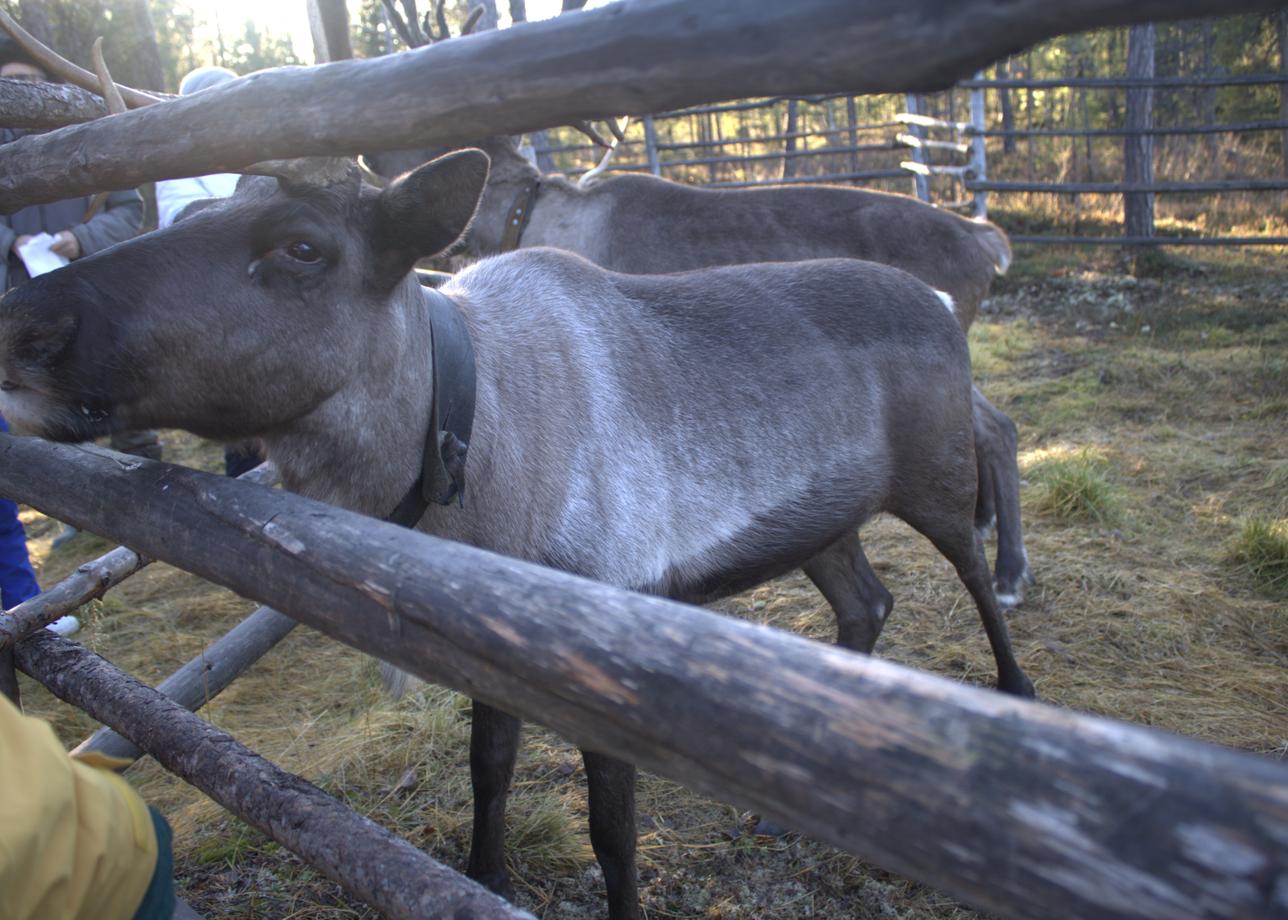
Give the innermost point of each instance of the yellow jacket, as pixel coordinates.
(75, 840)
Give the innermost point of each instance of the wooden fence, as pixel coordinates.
(784, 157)
(1012, 806)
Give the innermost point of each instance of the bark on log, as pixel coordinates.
(368, 861)
(639, 56)
(89, 582)
(46, 105)
(92, 579)
(1016, 807)
(206, 676)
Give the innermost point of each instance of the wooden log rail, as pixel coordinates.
(24, 104)
(368, 861)
(91, 580)
(1018, 808)
(641, 56)
(205, 676)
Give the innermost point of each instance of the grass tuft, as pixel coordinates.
(1260, 551)
(1076, 487)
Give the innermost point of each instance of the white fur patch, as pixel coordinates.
(948, 301)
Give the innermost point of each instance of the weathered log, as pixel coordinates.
(24, 104)
(92, 579)
(207, 675)
(368, 861)
(640, 57)
(1016, 807)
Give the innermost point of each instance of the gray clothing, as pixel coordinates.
(118, 220)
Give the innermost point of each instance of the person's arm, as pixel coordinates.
(173, 195)
(76, 842)
(119, 219)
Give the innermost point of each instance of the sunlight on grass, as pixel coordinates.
(1260, 552)
(1073, 485)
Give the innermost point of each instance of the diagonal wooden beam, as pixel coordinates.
(639, 56)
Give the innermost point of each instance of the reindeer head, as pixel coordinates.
(239, 319)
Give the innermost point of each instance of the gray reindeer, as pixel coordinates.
(645, 225)
(687, 435)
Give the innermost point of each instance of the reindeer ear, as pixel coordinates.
(427, 210)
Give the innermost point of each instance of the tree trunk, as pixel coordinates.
(570, 6)
(329, 26)
(518, 11)
(34, 16)
(1281, 21)
(145, 56)
(1138, 149)
(1209, 92)
(789, 144)
(1003, 72)
(852, 120)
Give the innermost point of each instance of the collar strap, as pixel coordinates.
(451, 414)
(520, 213)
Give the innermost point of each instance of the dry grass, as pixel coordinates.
(1173, 387)
(1260, 551)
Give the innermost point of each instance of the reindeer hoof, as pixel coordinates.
(1017, 685)
(767, 828)
(1009, 590)
(496, 882)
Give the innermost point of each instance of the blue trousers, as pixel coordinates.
(17, 580)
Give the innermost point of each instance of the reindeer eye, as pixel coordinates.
(303, 252)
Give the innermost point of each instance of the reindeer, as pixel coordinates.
(646, 225)
(687, 435)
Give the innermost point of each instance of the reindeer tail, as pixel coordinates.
(993, 240)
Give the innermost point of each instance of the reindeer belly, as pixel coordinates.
(774, 542)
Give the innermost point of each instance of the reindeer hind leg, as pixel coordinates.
(862, 604)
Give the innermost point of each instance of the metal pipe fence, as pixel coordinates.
(947, 159)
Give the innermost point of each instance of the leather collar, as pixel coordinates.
(451, 414)
(520, 213)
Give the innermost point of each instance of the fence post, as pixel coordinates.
(1281, 23)
(1138, 149)
(650, 146)
(789, 142)
(920, 182)
(978, 154)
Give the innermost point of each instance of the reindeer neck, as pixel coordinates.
(512, 179)
(363, 447)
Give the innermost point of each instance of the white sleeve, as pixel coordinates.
(173, 195)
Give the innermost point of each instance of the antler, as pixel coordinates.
(115, 106)
(619, 134)
(444, 32)
(58, 66)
